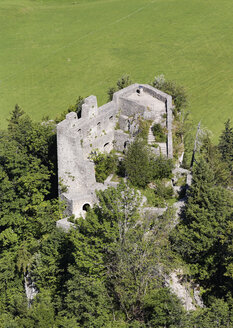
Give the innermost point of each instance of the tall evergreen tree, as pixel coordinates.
(226, 144)
(137, 164)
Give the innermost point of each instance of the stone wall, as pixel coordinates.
(129, 108)
(124, 92)
(121, 140)
(169, 127)
(160, 95)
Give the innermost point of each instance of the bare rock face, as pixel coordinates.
(184, 290)
(30, 289)
(197, 297)
(65, 225)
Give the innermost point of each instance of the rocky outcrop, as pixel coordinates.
(187, 292)
(30, 288)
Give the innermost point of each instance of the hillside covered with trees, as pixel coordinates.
(112, 269)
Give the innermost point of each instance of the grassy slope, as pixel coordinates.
(52, 51)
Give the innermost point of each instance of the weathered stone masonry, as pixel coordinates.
(111, 126)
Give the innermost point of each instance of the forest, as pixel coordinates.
(110, 269)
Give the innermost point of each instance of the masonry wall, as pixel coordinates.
(167, 99)
(160, 95)
(129, 107)
(98, 131)
(169, 127)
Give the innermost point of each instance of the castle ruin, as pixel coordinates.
(111, 126)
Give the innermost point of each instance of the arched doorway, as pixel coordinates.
(86, 207)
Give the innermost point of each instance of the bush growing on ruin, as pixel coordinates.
(159, 133)
(142, 166)
(161, 168)
(105, 164)
(144, 126)
(163, 191)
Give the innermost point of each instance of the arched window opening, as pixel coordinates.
(98, 125)
(86, 207)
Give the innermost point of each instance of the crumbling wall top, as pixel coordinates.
(90, 107)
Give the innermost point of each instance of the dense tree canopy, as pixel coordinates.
(28, 210)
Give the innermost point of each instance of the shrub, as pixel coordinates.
(142, 166)
(150, 196)
(71, 219)
(177, 92)
(121, 169)
(159, 133)
(159, 202)
(163, 191)
(105, 164)
(162, 309)
(144, 127)
(161, 168)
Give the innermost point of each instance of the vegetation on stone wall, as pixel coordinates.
(163, 193)
(143, 131)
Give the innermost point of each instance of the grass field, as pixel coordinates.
(52, 51)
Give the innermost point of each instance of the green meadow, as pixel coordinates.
(52, 51)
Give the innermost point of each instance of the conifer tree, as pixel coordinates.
(137, 164)
(226, 144)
